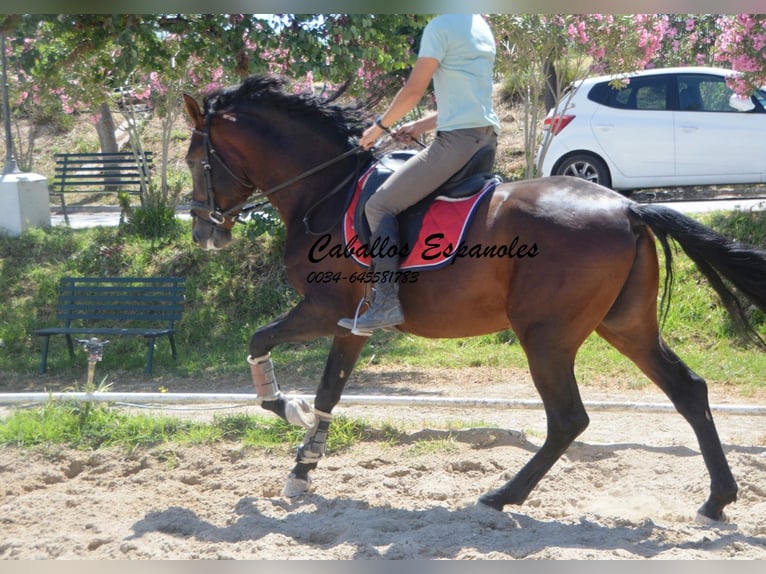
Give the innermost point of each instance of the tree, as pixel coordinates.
(92, 62)
(742, 44)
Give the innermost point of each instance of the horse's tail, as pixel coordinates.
(717, 257)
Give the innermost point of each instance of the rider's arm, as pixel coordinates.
(405, 100)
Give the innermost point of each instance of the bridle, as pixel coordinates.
(209, 210)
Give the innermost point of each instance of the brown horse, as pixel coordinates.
(595, 268)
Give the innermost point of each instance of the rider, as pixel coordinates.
(457, 51)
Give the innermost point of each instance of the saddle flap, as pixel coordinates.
(430, 230)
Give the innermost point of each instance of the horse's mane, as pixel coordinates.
(263, 90)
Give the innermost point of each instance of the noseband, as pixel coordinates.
(209, 210)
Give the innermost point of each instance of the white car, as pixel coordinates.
(664, 127)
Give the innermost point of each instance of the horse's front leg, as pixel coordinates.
(304, 322)
(343, 356)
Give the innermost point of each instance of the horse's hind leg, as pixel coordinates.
(553, 374)
(631, 326)
(688, 392)
(340, 362)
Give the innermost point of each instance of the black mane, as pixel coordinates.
(264, 90)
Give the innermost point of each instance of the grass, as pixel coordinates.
(435, 446)
(89, 426)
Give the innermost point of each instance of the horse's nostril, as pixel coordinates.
(201, 233)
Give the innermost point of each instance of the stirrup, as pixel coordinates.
(354, 330)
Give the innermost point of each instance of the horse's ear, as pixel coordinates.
(192, 108)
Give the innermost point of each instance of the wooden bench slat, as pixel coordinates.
(137, 304)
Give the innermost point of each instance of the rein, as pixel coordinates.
(209, 210)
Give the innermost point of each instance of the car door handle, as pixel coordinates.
(688, 128)
(604, 126)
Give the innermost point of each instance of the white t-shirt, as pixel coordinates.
(465, 48)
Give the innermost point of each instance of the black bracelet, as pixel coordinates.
(381, 126)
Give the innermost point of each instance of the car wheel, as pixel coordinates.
(585, 166)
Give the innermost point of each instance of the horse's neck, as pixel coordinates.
(318, 198)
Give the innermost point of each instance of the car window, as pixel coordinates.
(638, 94)
(704, 94)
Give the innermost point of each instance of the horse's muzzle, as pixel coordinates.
(209, 236)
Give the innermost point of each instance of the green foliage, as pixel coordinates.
(86, 426)
(265, 221)
(746, 226)
(157, 221)
(89, 426)
(229, 294)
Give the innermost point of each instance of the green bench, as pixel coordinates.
(100, 173)
(109, 306)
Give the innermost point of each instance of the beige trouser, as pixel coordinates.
(426, 171)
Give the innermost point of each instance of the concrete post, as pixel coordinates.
(24, 197)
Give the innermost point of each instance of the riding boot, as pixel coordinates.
(385, 309)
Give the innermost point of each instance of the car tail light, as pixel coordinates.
(557, 123)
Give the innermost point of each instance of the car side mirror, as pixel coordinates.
(741, 103)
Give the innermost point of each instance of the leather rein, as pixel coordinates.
(209, 210)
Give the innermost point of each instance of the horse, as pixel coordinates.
(596, 269)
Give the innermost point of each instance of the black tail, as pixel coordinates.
(717, 257)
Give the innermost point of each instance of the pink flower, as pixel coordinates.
(143, 94)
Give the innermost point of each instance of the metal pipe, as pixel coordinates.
(368, 400)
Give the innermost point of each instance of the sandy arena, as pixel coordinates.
(627, 489)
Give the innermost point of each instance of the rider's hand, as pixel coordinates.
(407, 132)
(370, 136)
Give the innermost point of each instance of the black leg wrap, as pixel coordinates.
(309, 453)
(315, 441)
(301, 470)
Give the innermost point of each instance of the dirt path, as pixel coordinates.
(628, 488)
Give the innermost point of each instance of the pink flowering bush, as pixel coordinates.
(741, 43)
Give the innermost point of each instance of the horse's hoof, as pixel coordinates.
(707, 521)
(491, 501)
(296, 486)
(300, 413)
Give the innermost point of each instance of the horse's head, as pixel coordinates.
(290, 147)
(220, 188)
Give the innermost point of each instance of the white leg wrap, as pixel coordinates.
(262, 370)
(315, 441)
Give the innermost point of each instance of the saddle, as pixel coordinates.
(468, 180)
(445, 212)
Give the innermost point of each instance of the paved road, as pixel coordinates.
(93, 218)
(111, 217)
